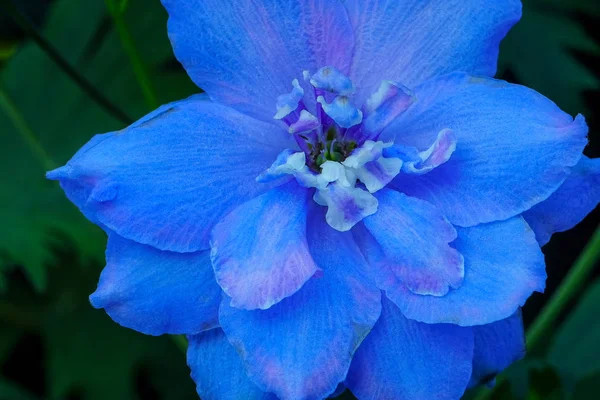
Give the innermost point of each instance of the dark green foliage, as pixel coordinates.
(53, 345)
(540, 50)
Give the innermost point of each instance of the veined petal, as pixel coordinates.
(503, 267)
(245, 54)
(167, 180)
(407, 245)
(259, 252)
(497, 346)
(157, 292)
(301, 348)
(565, 208)
(515, 147)
(405, 359)
(412, 41)
(218, 370)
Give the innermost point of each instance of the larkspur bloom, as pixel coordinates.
(344, 209)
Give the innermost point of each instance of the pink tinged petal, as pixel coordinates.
(439, 153)
(245, 53)
(412, 41)
(377, 174)
(259, 251)
(407, 244)
(385, 105)
(369, 165)
(301, 348)
(515, 147)
(503, 267)
(346, 206)
(405, 359)
(306, 123)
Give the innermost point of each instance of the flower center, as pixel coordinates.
(340, 153)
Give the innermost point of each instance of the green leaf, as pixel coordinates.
(587, 388)
(539, 51)
(62, 118)
(85, 351)
(575, 350)
(12, 391)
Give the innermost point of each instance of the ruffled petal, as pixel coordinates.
(346, 205)
(406, 243)
(497, 346)
(503, 267)
(514, 147)
(245, 54)
(157, 292)
(414, 40)
(259, 252)
(218, 370)
(301, 348)
(405, 359)
(167, 180)
(576, 198)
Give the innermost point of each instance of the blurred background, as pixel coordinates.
(73, 68)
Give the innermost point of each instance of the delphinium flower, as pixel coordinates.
(356, 203)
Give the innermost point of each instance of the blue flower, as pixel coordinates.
(343, 209)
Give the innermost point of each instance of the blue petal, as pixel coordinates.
(346, 206)
(332, 80)
(301, 348)
(497, 346)
(576, 198)
(259, 252)
(157, 292)
(405, 359)
(342, 111)
(514, 147)
(245, 54)
(218, 370)
(411, 248)
(414, 40)
(503, 267)
(166, 181)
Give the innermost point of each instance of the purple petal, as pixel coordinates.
(407, 245)
(503, 267)
(259, 251)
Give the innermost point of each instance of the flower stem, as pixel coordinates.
(13, 113)
(55, 56)
(568, 289)
(117, 10)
